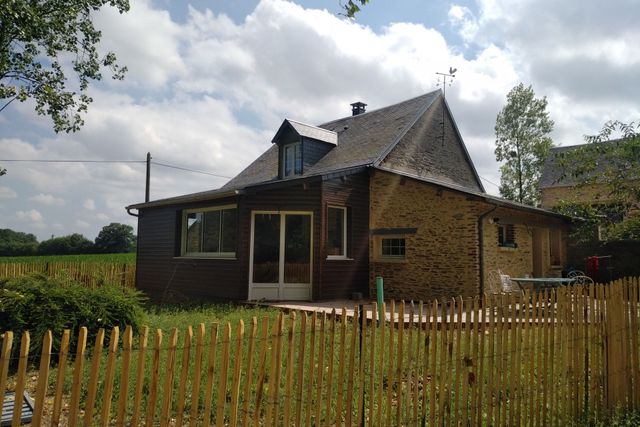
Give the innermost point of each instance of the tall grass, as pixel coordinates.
(128, 258)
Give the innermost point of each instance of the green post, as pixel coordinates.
(380, 295)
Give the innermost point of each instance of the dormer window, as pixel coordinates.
(292, 159)
(301, 146)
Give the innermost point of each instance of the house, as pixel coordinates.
(390, 192)
(616, 259)
(556, 184)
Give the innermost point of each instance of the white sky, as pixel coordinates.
(209, 84)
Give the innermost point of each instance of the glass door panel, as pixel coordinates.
(266, 248)
(297, 249)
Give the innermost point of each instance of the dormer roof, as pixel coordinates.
(307, 131)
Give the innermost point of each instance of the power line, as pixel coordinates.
(490, 182)
(189, 170)
(71, 161)
(113, 161)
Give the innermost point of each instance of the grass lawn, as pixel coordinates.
(182, 316)
(129, 258)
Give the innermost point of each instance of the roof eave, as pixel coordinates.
(481, 196)
(189, 198)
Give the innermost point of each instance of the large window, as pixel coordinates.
(292, 159)
(209, 232)
(336, 232)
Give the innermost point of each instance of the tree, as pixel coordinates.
(116, 238)
(66, 245)
(522, 143)
(16, 243)
(613, 167)
(352, 7)
(39, 42)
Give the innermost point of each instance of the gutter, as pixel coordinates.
(128, 208)
(481, 246)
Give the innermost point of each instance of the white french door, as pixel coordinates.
(281, 256)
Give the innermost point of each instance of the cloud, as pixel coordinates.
(208, 93)
(82, 224)
(89, 204)
(31, 215)
(47, 200)
(464, 20)
(7, 193)
(146, 40)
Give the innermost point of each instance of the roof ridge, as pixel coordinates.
(378, 109)
(573, 146)
(307, 124)
(389, 148)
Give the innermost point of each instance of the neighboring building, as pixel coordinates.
(391, 192)
(557, 185)
(616, 258)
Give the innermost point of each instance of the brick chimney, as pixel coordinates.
(358, 108)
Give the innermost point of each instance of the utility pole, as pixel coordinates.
(442, 81)
(146, 189)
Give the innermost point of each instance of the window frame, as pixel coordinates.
(379, 256)
(505, 242)
(344, 210)
(183, 233)
(294, 147)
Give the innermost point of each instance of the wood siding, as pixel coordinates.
(340, 278)
(303, 197)
(167, 277)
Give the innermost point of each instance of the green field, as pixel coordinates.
(129, 258)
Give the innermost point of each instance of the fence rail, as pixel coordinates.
(90, 273)
(552, 358)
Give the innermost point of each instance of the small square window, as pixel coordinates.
(394, 247)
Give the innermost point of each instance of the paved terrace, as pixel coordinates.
(337, 305)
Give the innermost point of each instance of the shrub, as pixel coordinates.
(37, 303)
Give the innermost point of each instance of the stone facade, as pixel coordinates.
(441, 258)
(440, 228)
(551, 196)
(533, 237)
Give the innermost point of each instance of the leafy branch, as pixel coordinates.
(40, 43)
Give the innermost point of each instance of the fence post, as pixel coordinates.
(123, 276)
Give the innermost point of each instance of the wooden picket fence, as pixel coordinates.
(558, 357)
(90, 273)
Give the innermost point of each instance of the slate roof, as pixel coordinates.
(309, 131)
(361, 140)
(553, 170)
(368, 140)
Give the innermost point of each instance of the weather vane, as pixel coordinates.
(442, 81)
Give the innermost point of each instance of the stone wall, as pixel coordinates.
(441, 255)
(518, 261)
(551, 196)
(441, 231)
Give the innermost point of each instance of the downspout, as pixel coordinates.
(137, 242)
(481, 246)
